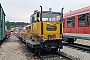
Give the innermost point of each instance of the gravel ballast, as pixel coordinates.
(84, 42)
(72, 52)
(11, 49)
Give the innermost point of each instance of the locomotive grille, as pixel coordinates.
(51, 28)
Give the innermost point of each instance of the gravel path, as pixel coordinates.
(84, 42)
(12, 50)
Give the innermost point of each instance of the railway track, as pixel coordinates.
(16, 35)
(45, 55)
(78, 47)
(50, 55)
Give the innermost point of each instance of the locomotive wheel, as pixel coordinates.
(71, 40)
(55, 50)
(37, 51)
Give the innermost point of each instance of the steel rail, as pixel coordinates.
(78, 46)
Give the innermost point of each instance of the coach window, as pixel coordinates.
(89, 18)
(83, 20)
(70, 22)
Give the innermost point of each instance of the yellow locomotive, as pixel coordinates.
(45, 31)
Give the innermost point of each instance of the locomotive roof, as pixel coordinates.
(78, 12)
(49, 14)
(46, 14)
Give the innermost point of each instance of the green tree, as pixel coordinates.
(8, 24)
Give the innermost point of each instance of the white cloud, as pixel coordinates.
(20, 10)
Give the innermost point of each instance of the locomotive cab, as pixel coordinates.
(46, 30)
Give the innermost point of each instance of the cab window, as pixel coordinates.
(33, 19)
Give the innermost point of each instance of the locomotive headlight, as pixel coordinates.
(48, 23)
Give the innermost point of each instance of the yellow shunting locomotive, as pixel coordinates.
(45, 31)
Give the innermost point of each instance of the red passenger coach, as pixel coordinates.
(77, 25)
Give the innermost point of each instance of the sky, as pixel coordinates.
(20, 10)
